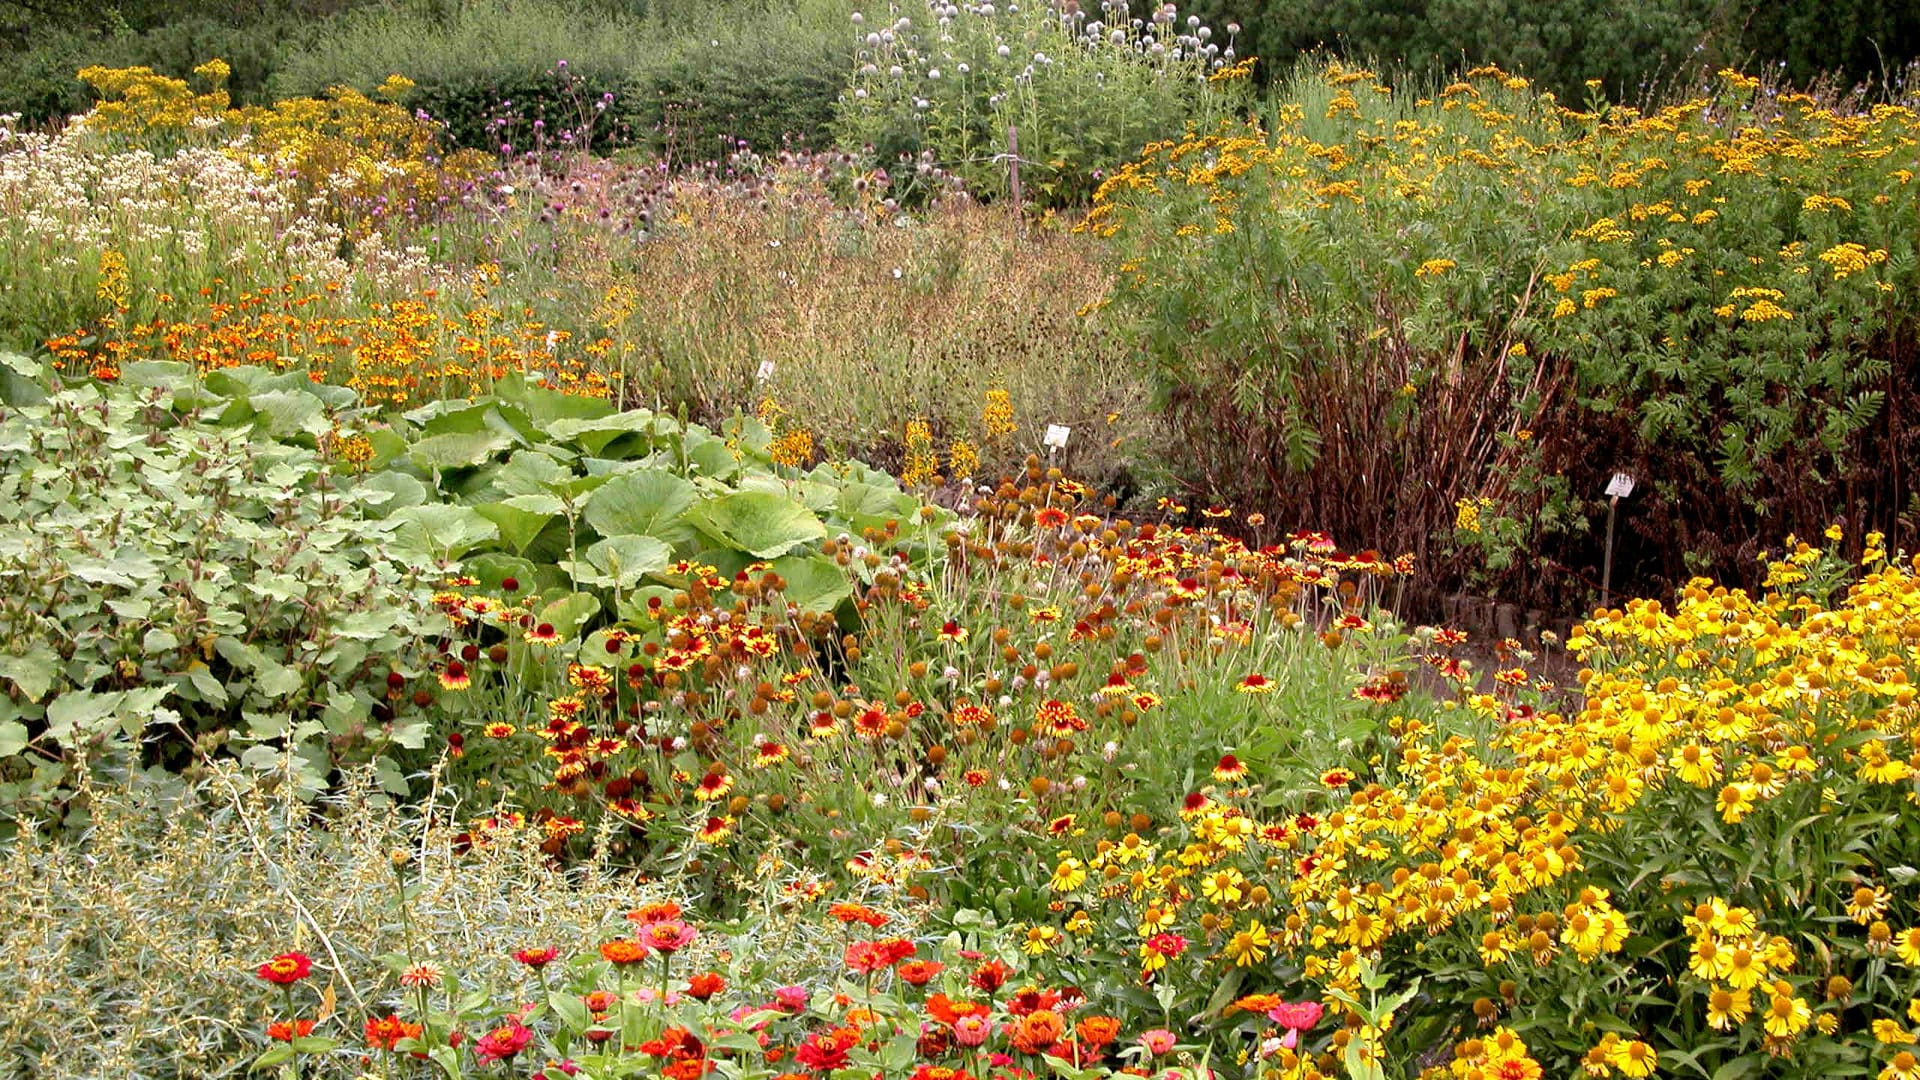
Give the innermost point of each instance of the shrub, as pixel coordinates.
(215, 586)
(1340, 315)
(948, 82)
(1639, 50)
(689, 85)
(141, 939)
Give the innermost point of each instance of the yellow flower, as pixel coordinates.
(1633, 1058)
(1249, 946)
(1068, 876)
(1890, 1032)
(1786, 1016)
(1727, 1009)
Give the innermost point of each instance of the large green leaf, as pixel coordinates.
(458, 449)
(33, 674)
(757, 522)
(644, 502)
(621, 561)
(532, 472)
(594, 434)
(440, 530)
(521, 518)
(290, 412)
(543, 406)
(814, 583)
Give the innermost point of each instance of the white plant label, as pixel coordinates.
(766, 370)
(1057, 436)
(1620, 486)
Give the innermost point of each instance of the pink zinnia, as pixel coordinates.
(971, 1031)
(668, 935)
(1158, 1041)
(1296, 1017)
(791, 998)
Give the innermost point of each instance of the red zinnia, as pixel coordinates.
(537, 958)
(866, 957)
(920, 972)
(287, 968)
(990, 976)
(502, 1042)
(827, 1051)
(705, 985)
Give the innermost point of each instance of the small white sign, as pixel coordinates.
(1620, 486)
(1057, 436)
(766, 371)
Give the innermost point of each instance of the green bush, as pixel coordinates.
(38, 81)
(669, 82)
(1084, 97)
(1638, 49)
(1440, 323)
(180, 574)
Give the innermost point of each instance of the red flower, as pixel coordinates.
(920, 972)
(826, 1051)
(1031, 999)
(1297, 1015)
(537, 958)
(947, 1011)
(1036, 1031)
(990, 976)
(1097, 1031)
(867, 957)
(289, 1030)
(667, 936)
(502, 1042)
(1167, 945)
(287, 968)
(705, 985)
(386, 1034)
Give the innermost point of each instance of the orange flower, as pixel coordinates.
(1097, 1031)
(289, 1030)
(624, 951)
(386, 1034)
(1036, 1031)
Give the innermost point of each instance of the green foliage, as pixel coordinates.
(679, 85)
(1352, 333)
(1082, 96)
(182, 574)
(1639, 48)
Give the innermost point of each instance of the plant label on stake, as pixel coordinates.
(1618, 488)
(765, 372)
(1057, 436)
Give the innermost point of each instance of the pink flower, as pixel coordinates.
(1158, 1041)
(1296, 1017)
(791, 998)
(971, 1031)
(667, 935)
